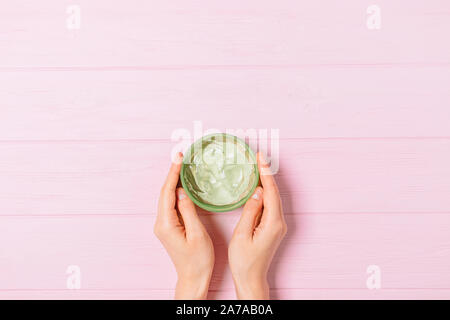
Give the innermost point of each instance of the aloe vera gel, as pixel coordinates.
(219, 171)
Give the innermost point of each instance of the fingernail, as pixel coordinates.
(257, 194)
(262, 158)
(178, 158)
(181, 194)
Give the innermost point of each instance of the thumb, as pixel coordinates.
(188, 211)
(252, 209)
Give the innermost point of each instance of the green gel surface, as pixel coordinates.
(219, 170)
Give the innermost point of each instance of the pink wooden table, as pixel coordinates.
(90, 95)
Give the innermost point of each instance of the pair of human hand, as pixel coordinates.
(254, 242)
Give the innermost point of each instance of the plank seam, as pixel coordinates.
(153, 214)
(170, 141)
(211, 290)
(221, 67)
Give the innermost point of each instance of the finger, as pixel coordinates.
(250, 213)
(188, 212)
(167, 197)
(174, 173)
(272, 202)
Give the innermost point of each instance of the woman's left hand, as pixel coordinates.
(180, 230)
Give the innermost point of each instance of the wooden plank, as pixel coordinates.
(302, 103)
(205, 33)
(124, 178)
(306, 294)
(320, 252)
(69, 294)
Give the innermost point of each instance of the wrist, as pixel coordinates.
(192, 289)
(252, 289)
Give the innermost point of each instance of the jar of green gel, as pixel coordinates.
(219, 172)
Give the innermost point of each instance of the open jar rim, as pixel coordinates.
(252, 160)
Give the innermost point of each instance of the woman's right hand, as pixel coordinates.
(256, 238)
